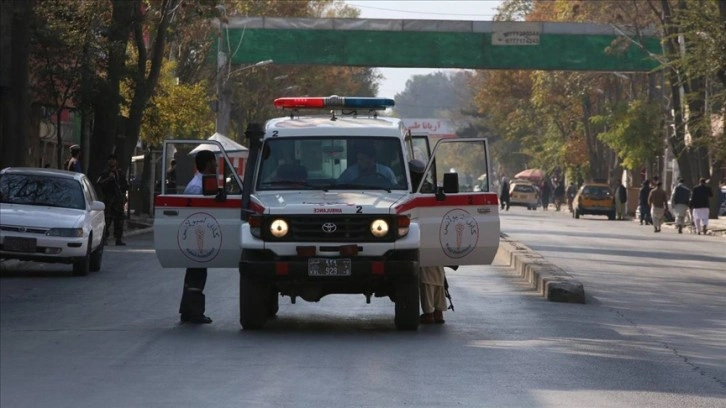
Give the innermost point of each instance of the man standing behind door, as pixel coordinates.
(193, 302)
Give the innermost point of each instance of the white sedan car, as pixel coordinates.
(51, 216)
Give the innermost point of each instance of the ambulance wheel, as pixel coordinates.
(253, 303)
(273, 304)
(407, 304)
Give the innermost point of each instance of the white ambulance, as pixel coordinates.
(328, 208)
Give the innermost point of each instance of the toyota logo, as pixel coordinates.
(329, 227)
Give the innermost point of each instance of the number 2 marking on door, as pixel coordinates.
(359, 209)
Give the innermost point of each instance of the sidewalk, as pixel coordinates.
(138, 224)
(716, 227)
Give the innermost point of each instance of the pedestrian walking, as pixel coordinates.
(571, 193)
(193, 301)
(621, 201)
(658, 202)
(680, 197)
(700, 202)
(559, 194)
(643, 205)
(546, 192)
(504, 193)
(113, 187)
(74, 163)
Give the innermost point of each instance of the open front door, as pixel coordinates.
(197, 231)
(459, 226)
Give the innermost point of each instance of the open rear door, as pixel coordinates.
(459, 226)
(196, 231)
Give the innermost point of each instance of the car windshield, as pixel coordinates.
(41, 190)
(327, 163)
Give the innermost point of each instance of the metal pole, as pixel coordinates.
(152, 190)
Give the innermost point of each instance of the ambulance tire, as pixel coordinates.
(407, 304)
(274, 303)
(253, 303)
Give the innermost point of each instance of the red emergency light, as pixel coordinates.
(341, 102)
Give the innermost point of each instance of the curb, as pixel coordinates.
(549, 280)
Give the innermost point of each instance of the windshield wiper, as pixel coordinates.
(360, 186)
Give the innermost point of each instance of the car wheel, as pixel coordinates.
(82, 266)
(577, 214)
(407, 303)
(96, 258)
(253, 302)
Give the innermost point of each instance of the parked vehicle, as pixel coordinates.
(523, 193)
(49, 215)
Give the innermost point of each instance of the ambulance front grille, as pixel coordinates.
(337, 228)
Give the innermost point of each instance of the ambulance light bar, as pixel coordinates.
(341, 102)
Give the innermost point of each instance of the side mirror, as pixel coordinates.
(209, 184)
(451, 183)
(98, 206)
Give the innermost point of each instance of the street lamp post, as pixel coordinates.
(224, 93)
(225, 73)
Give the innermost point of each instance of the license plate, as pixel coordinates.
(18, 244)
(329, 267)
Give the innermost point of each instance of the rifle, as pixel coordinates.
(446, 288)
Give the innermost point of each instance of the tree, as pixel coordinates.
(436, 95)
(14, 98)
(60, 56)
(106, 82)
(694, 39)
(176, 110)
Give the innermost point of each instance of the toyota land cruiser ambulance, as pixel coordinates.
(328, 207)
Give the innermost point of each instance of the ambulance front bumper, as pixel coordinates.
(264, 264)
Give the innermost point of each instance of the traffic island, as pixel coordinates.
(549, 280)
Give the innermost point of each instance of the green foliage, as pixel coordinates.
(177, 110)
(633, 131)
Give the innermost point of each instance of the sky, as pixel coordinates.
(395, 78)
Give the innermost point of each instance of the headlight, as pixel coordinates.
(65, 232)
(379, 228)
(278, 228)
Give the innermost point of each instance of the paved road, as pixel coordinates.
(667, 286)
(112, 340)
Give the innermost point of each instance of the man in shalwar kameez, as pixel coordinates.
(433, 293)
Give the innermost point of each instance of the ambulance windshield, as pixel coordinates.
(332, 163)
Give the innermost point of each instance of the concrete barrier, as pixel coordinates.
(549, 280)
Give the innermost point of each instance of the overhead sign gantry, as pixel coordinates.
(438, 44)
